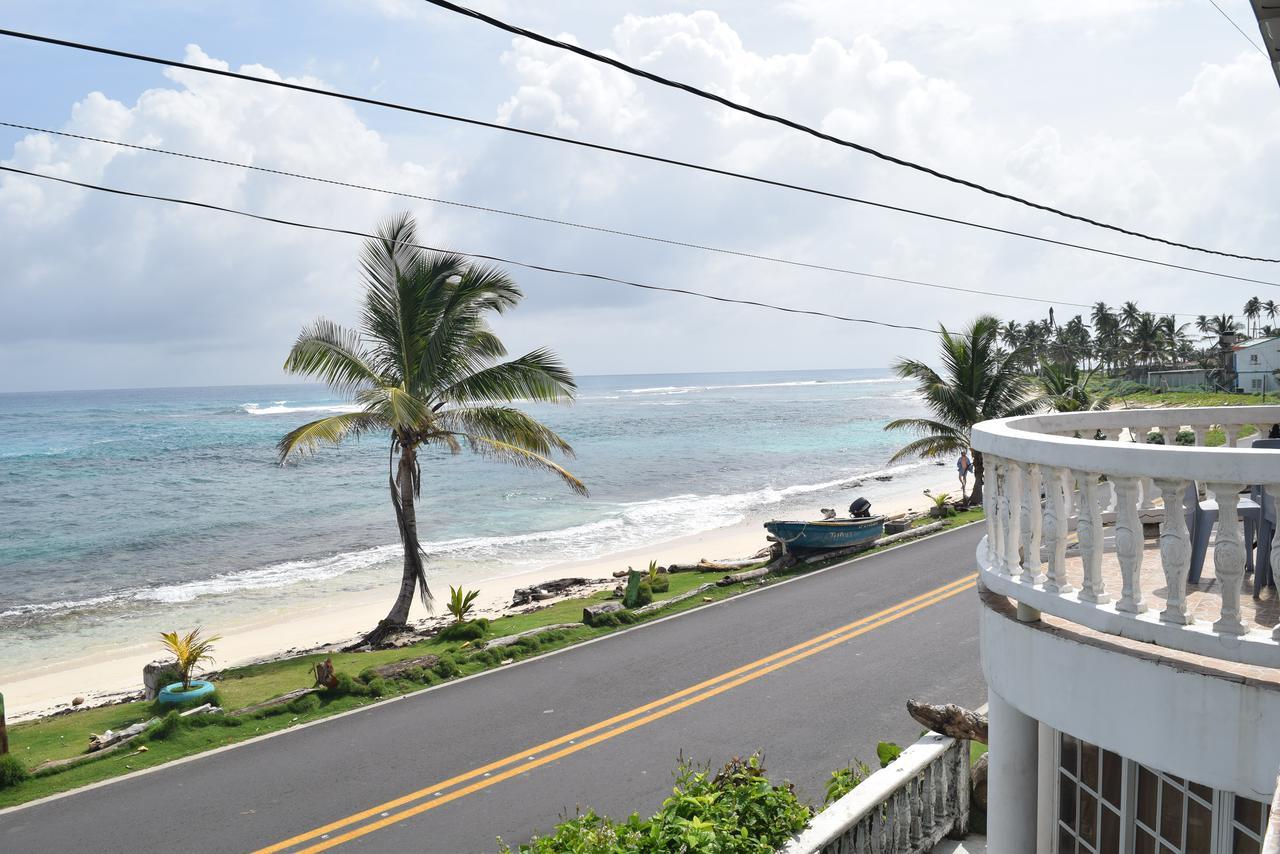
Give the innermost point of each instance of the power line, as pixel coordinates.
(1245, 35)
(814, 132)
(654, 158)
(477, 255)
(544, 219)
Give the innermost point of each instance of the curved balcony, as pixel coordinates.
(1067, 498)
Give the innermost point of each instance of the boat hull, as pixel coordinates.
(827, 534)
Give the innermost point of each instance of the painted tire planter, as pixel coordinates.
(173, 695)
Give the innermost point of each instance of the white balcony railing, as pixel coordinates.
(1049, 475)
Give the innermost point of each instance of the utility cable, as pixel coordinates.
(826, 137)
(477, 255)
(551, 220)
(654, 158)
(1245, 35)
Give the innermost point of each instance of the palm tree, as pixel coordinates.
(426, 371)
(1129, 314)
(1271, 309)
(1066, 390)
(979, 381)
(1222, 331)
(1252, 311)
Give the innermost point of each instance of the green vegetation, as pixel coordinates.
(845, 780)
(979, 381)
(734, 811)
(460, 603)
(659, 582)
(886, 752)
(12, 771)
(62, 737)
(425, 369)
(469, 631)
(189, 651)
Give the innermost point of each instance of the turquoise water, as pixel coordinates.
(118, 507)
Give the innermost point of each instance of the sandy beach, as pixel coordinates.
(104, 673)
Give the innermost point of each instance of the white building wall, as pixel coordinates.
(1256, 365)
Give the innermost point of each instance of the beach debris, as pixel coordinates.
(592, 612)
(206, 709)
(396, 669)
(325, 677)
(507, 640)
(883, 477)
(546, 590)
(950, 720)
(707, 599)
(910, 533)
(618, 591)
(274, 701)
(735, 577)
(622, 573)
(110, 737)
(77, 701)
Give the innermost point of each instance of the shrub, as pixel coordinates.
(468, 631)
(378, 687)
(735, 811)
(644, 594)
(845, 780)
(168, 727)
(304, 704)
(347, 687)
(189, 651)
(446, 667)
(201, 721)
(659, 582)
(12, 771)
(529, 643)
(368, 674)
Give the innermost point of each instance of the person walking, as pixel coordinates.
(963, 466)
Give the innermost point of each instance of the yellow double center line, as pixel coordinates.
(430, 797)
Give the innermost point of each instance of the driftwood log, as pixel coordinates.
(591, 612)
(396, 669)
(662, 603)
(735, 577)
(110, 737)
(910, 533)
(508, 640)
(275, 701)
(950, 720)
(325, 676)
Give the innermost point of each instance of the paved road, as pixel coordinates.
(811, 710)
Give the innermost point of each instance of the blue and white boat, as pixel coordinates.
(827, 534)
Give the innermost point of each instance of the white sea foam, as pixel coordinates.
(790, 383)
(627, 525)
(279, 408)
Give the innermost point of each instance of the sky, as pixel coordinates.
(1153, 114)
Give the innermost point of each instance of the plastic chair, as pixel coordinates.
(1203, 515)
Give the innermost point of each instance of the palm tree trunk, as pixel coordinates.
(402, 497)
(975, 496)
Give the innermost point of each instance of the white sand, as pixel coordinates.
(39, 689)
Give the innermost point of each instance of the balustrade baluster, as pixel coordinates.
(1056, 516)
(879, 817)
(902, 827)
(1228, 557)
(991, 508)
(1170, 436)
(861, 839)
(1089, 535)
(1031, 519)
(1129, 543)
(1201, 431)
(915, 796)
(1175, 551)
(1232, 433)
(1010, 515)
(928, 817)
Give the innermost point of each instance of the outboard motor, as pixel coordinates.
(860, 509)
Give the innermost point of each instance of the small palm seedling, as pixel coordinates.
(190, 650)
(461, 603)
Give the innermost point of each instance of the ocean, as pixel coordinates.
(122, 512)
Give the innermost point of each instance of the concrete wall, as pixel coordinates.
(1214, 728)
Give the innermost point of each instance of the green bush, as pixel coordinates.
(886, 752)
(736, 811)
(468, 631)
(447, 667)
(644, 594)
(12, 771)
(660, 583)
(166, 728)
(201, 721)
(845, 780)
(529, 643)
(379, 687)
(304, 704)
(347, 687)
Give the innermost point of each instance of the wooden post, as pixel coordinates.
(4, 733)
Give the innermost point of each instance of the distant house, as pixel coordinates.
(1256, 363)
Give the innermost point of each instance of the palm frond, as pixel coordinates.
(508, 453)
(326, 350)
(505, 424)
(538, 375)
(328, 431)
